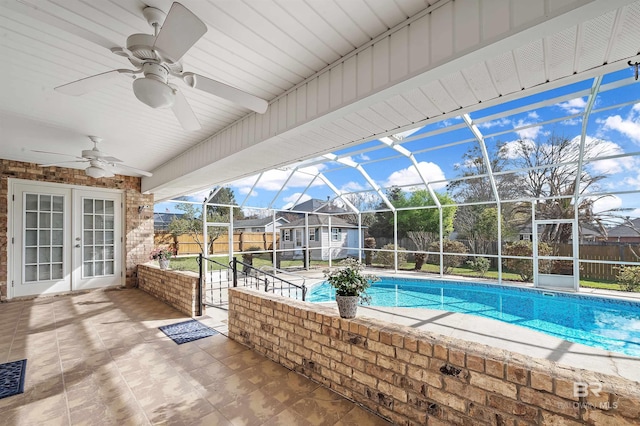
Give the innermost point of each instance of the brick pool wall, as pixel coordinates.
(410, 376)
(176, 288)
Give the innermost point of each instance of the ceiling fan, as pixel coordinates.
(157, 57)
(100, 164)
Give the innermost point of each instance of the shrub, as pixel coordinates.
(479, 265)
(524, 267)
(449, 261)
(348, 280)
(629, 278)
(369, 243)
(387, 258)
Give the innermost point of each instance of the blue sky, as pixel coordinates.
(615, 130)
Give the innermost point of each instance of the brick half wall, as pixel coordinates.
(410, 376)
(178, 289)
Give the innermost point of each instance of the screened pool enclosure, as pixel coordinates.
(542, 189)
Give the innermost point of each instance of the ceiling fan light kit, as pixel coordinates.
(153, 89)
(157, 57)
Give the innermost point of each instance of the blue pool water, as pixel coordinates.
(609, 324)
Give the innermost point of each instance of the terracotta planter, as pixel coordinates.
(347, 306)
(164, 263)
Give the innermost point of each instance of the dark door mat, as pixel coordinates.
(12, 378)
(187, 331)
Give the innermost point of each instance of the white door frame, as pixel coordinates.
(539, 280)
(15, 252)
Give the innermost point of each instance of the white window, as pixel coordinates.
(286, 235)
(336, 234)
(313, 234)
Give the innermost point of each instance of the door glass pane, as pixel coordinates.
(45, 203)
(31, 255)
(56, 220)
(44, 255)
(31, 273)
(56, 254)
(97, 243)
(31, 238)
(45, 220)
(56, 271)
(58, 203)
(57, 238)
(44, 237)
(31, 202)
(31, 220)
(44, 272)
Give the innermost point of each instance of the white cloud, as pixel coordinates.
(607, 203)
(409, 176)
(596, 148)
(293, 198)
(501, 122)
(629, 127)
(352, 186)
(513, 149)
(273, 180)
(527, 132)
(574, 106)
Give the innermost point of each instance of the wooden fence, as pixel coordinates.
(242, 241)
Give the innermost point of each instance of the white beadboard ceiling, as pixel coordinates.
(336, 72)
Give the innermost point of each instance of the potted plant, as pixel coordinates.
(351, 285)
(162, 255)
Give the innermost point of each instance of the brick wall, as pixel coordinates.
(138, 241)
(411, 376)
(176, 288)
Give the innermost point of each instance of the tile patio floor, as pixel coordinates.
(98, 358)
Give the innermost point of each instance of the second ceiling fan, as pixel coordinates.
(157, 57)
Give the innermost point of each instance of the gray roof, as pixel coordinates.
(316, 205)
(246, 223)
(322, 220)
(630, 228)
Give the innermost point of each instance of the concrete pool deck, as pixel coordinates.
(502, 335)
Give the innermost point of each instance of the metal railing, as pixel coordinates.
(250, 276)
(216, 278)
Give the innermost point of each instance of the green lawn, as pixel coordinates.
(191, 264)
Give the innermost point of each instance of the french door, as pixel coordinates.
(64, 238)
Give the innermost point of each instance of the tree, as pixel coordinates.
(425, 220)
(544, 178)
(191, 221)
(382, 225)
(190, 224)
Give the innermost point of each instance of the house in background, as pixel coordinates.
(266, 224)
(161, 221)
(628, 232)
(338, 238)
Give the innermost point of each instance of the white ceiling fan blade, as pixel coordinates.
(80, 87)
(99, 155)
(58, 163)
(222, 90)
(181, 30)
(183, 112)
(57, 153)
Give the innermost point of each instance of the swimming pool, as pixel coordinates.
(607, 323)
